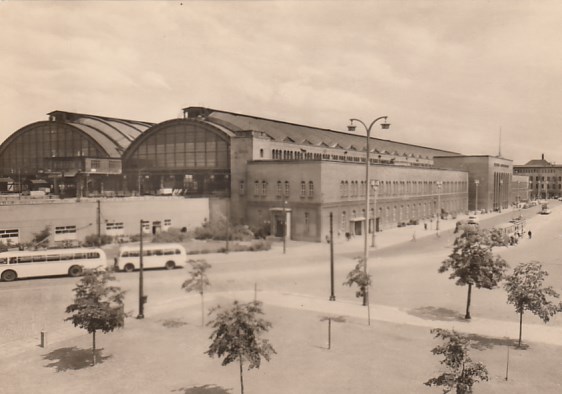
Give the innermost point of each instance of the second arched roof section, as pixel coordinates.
(179, 144)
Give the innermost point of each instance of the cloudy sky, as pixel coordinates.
(449, 74)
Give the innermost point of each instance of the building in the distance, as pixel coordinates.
(260, 172)
(545, 178)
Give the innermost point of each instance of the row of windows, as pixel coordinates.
(534, 170)
(278, 154)
(548, 179)
(548, 186)
(393, 188)
(153, 252)
(399, 213)
(50, 258)
(261, 188)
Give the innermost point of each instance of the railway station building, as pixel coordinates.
(255, 171)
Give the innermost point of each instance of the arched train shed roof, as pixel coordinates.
(112, 134)
(305, 135)
(224, 132)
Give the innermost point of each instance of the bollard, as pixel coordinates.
(43, 339)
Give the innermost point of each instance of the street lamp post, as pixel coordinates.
(500, 196)
(284, 226)
(439, 184)
(476, 183)
(375, 185)
(142, 297)
(351, 127)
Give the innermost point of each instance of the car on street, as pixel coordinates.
(545, 211)
(473, 219)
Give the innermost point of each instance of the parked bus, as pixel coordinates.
(49, 262)
(167, 256)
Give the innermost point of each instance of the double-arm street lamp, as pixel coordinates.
(351, 127)
(439, 184)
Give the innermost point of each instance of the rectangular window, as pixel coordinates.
(11, 236)
(287, 190)
(310, 189)
(264, 188)
(279, 189)
(256, 188)
(303, 189)
(167, 222)
(65, 233)
(242, 188)
(114, 226)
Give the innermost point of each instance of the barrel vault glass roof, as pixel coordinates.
(114, 135)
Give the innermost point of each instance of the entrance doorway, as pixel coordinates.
(358, 227)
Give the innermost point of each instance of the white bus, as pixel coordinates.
(167, 256)
(49, 262)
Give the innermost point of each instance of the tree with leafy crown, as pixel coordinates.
(525, 290)
(197, 281)
(472, 262)
(97, 306)
(462, 373)
(358, 276)
(237, 336)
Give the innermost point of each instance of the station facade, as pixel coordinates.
(262, 172)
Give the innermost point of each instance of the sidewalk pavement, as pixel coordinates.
(386, 238)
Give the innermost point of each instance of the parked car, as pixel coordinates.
(545, 211)
(473, 219)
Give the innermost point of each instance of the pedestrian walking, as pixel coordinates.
(530, 234)
(424, 225)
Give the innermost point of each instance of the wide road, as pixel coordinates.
(404, 276)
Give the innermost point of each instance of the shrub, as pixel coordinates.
(92, 240)
(260, 245)
(172, 235)
(217, 230)
(262, 231)
(41, 236)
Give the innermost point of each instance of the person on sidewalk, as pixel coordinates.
(530, 234)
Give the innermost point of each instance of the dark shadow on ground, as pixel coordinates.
(173, 323)
(481, 342)
(72, 358)
(206, 389)
(433, 313)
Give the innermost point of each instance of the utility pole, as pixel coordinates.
(332, 295)
(98, 221)
(142, 298)
(284, 227)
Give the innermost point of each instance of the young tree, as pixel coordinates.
(237, 336)
(472, 262)
(97, 306)
(358, 276)
(462, 372)
(197, 282)
(525, 290)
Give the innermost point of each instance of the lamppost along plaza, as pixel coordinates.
(351, 127)
(476, 183)
(439, 184)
